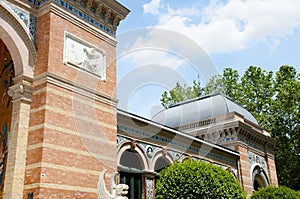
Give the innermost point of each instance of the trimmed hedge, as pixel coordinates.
(272, 192)
(195, 179)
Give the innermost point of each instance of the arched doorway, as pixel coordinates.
(17, 41)
(259, 178)
(131, 173)
(7, 73)
(160, 164)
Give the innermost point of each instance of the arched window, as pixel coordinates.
(259, 178)
(131, 173)
(160, 164)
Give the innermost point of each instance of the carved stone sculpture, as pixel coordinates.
(93, 60)
(116, 191)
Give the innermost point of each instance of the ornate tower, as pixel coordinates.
(63, 122)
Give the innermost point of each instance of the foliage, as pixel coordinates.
(273, 99)
(196, 179)
(275, 193)
(179, 93)
(285, 120)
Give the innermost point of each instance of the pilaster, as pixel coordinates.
(244, 168)
(21, 93)
(272, 170)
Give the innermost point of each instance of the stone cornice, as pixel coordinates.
(253, 134)
(79, 22)
(76, 88)
(115, 5)
(103, 14)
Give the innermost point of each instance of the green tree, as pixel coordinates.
(256, 92)
(285, 120)
(228, 84)
(196, 179)
(275, 193)
(179, 93)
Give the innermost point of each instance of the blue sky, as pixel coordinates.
(165, 41)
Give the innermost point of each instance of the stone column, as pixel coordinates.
(21, 93)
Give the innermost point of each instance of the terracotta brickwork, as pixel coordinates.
(272, 169)
(72, 134)
(244, 168)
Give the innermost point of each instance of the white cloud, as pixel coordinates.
(157, 57)
(152, 7)
(234, 25)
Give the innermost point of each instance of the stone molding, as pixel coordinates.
(102, 14)
(53, 8)
(22, 90)
(236, 132)
(76, 88)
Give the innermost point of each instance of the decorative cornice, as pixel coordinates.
(82, 24)
(103, 14)
(172, 144)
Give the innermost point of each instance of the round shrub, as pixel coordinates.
(195, 179)
(272, 192)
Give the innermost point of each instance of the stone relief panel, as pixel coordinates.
(255, 158)
(85, 56)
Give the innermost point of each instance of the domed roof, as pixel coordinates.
(198, 109)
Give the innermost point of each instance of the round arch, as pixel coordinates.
(157, 157)
(137, 149)
(259, 177)
(17, 39)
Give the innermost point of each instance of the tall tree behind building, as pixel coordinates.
(274, 102)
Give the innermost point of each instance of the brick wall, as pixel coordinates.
(244, 168)
(72, 135)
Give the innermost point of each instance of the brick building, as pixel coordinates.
(60, 126)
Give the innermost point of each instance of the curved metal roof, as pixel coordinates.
(200, 109)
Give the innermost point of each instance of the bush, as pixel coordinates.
(195, 179)
(272, 192)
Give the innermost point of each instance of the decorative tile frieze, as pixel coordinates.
(85, 16)
(257, 159)
(170, 142)
(120, 140)
(94, 12)
(176, 156)
(150, 188)
(27, 19)
(150, 151)
(32, 27)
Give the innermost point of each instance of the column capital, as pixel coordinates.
(21, 90)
